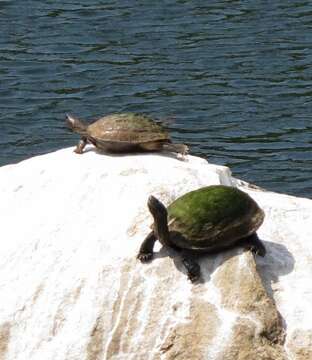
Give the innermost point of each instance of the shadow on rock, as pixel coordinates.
(164, 153)
(277, 262)
(208, 262)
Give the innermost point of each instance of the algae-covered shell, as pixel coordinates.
(213, 217)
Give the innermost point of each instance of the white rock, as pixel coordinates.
(287, 267)
(71, 228)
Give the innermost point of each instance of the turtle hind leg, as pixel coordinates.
(146, 250)
(177, 148)
(254, 244)
(191, 266)
(167, 146)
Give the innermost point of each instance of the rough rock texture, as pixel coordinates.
(287, 269)
(71, 287)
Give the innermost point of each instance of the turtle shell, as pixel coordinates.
(213, 217)
(127, 127)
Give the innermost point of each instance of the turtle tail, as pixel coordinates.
(76, 125)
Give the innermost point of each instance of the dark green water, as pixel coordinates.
(233, 77)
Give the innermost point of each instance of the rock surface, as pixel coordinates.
(71, 287)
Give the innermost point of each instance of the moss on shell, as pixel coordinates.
(213, 211)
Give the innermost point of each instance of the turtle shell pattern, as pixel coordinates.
(127, 127)
(213, 217)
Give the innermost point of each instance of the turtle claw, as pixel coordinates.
(257, 250)
(254, 250)
(145, 257)
(182, 155)
(193, 277)
(192, 268)
(260, 252)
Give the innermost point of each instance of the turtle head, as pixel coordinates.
(160, 215)
(76, 125)
(156, 207)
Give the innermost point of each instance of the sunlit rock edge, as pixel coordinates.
(71, 287)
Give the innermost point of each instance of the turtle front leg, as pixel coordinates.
(81, 145)
(191, 266)
(254, 244)
(146, 250)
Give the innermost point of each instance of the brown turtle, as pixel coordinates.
(125, 132)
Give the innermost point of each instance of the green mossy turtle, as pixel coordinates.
(122, 133)
(206, 220)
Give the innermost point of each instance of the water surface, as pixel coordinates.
(231, 78)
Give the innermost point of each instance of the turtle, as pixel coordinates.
(207, 220)
(124, 132)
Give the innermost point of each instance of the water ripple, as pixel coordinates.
(232, 78)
